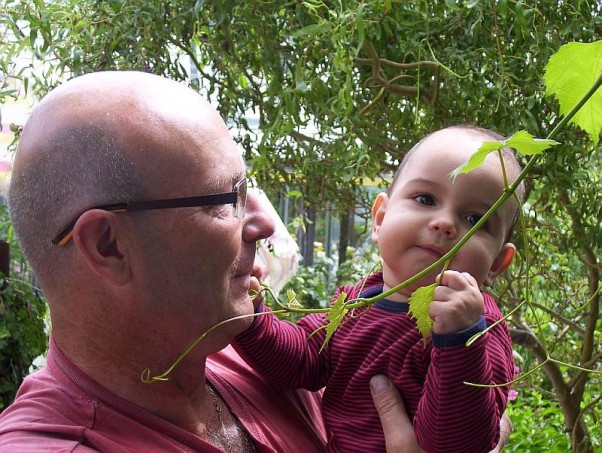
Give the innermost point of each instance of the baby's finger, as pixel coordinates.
(457, 280)
(257, 275)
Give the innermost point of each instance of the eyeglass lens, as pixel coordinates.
(241, 198)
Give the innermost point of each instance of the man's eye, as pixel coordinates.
(425, 199)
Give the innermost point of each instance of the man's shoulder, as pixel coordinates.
(39, 394)
(44, 414)
(53, 413)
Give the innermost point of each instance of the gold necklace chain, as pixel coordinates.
(224, 437)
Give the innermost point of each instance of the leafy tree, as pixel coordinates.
(343, 89)
(22, 316)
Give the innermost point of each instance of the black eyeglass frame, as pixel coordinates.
(238, 198)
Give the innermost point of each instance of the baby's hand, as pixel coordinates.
(257, 275)
(457, 303)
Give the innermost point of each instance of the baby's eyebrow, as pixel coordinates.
(484, 204)
(425, 181)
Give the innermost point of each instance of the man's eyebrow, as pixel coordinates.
(222, 181)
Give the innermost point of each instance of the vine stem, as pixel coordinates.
(146, 374)
(533, 370)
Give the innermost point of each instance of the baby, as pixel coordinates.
(421, 217)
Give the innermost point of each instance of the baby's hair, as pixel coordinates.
(510, 161)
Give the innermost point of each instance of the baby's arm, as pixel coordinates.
(288, 354)
(454, 416)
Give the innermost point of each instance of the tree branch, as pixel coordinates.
(408, 91)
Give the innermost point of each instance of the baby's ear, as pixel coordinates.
(501, 263)
(378, 213)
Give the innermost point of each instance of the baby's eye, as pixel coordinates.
(474, 218)
(425, 199)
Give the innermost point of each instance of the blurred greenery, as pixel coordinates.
(22, 321)
(538, 424)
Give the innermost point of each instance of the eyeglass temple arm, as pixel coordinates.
(189, 202)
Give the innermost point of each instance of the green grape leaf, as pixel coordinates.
(569, 74)
(476, 159)
(527, 145)
(335, 316)
(523, 142)
(419, 308)
(291, 299)
(291, 303)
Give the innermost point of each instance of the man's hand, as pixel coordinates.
(398, 429)
(457, 303)
(505, 430)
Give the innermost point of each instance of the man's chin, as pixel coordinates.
(244, 311)
(239, 325)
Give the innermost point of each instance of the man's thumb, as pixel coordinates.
(397, 427)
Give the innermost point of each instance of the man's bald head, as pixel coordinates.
(86, 144)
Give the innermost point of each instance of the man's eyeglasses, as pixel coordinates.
(238, 198)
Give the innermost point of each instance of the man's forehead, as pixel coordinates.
(218, 182)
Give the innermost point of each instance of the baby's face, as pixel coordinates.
(427, 213)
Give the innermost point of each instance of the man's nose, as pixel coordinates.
(258, 223)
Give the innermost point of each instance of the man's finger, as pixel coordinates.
(505, 431)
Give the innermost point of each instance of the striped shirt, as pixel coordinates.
(448, 415)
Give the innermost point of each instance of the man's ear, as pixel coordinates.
(501, 263)
(378, 214)
(95, 236)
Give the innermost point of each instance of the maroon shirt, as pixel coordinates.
(61, 409)
(448, 415)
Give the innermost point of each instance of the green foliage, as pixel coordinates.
(570, 73)
(22, 336)
(22, 324)
(360, 261)
(538, 424)
(419, 303)
(337, 69)
(314, 285)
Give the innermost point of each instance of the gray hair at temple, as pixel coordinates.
(68, 167)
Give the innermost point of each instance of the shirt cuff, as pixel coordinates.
(459, 338)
